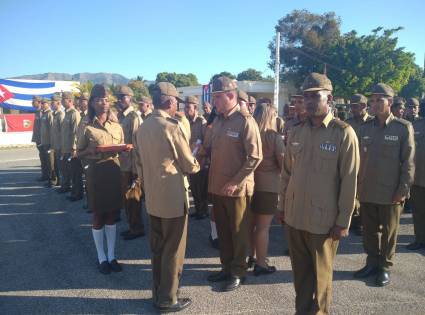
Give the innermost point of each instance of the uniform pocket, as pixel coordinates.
(390, 149)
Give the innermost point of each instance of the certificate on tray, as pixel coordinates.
(114, 148)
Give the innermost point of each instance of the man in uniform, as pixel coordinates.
(46, 124)
(56, 140)
(36, 137)
(69, 144)
(198, 181)
(412, 111)
(418, 189)
(398, 108)
(386, 172)
(318, 189)
(207, 110)
(252, 103)
(243, 101)
(130, 122)
(358, 108)
(83, 104)
(235, 144)
(299, 116)
(163, 160)
(145, 107)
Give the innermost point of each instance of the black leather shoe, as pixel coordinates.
(232, 284)
(73, 198)
(180, 305)
(201, 216)
(260, 270)
(131, 236)
(286, 252)
(214, 243)
(365, 272)
(415, 246)
(104, 268)
(251, 262)
(219, 276)
(115, 266)
(48, 185)
(192, 215)
(383, 278)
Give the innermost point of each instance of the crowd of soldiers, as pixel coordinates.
(312, 171)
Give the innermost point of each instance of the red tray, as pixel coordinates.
(113, 148)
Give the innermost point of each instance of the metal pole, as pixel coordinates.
(276, 72)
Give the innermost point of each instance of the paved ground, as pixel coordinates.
(47, 263)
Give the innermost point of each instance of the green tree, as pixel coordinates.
(178, 79)
(250, 75)
(139, 88)
(416, 85)
(85, 87)
(223, 73)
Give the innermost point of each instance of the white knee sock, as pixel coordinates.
(111, 232)
(98, 241)
(213, 230)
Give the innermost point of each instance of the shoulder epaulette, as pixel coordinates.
(341, 124)
(402, 121)
(172, 120)
(244, 113)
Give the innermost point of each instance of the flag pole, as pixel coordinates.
(276, 72)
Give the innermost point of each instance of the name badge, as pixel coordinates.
(295, 144)
(328, 147)
(232, 134)
(391, 138)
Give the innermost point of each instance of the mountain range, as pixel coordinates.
(101, 77)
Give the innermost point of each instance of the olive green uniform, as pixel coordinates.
(48, 157)
(418, 188)
(318, 189)
(56, 142)
(36, 138)
(387, 168)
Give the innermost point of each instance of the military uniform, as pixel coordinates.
(199, 181)
(318, 189)
(387, 170)
(163, 160)
(418, 188)
(46, 124)
(36, 138)
(56, 141)
(235, 146)
(130, 123)
(69, 145)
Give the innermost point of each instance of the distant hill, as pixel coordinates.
(101, 77)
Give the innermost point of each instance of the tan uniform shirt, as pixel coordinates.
(130, 123)
(319, 176)
(69, 130)
(36, 130)
(95, 134)
(163, 161)
(46, 123)
(235, 145)
(356, 124)
(280, 125)
(197, 129)
(56, 138)
(267, 174)
(419, 128)
(387, 160)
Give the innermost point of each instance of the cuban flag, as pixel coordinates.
(206, 95)
(18, 93)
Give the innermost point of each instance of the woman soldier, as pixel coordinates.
(267, 177)
(103, 174)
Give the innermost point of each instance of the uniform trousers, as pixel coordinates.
(76, 168)
(199, 188)
(132, 202)
(312, 257)
(380, 228)
(168, 246)
(418, 204)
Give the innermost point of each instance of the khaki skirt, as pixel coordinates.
(104, 185)
(264, 202)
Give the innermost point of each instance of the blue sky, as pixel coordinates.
(133, 37)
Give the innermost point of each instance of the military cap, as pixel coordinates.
(167, 89)
(316, 82)
(45, 100)
(358, 99)
(243, 96)
(36, 98)
(125, 90)
(383, 89)
(398, 100)
(145, 99)
(412, 102)
(56, 97)
(223, 84)
(100, 91)
(191, 100)
(297, 95)
(67, 95)
(84, 96)
(252, 100)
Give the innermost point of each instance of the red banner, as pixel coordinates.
(19, 122)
